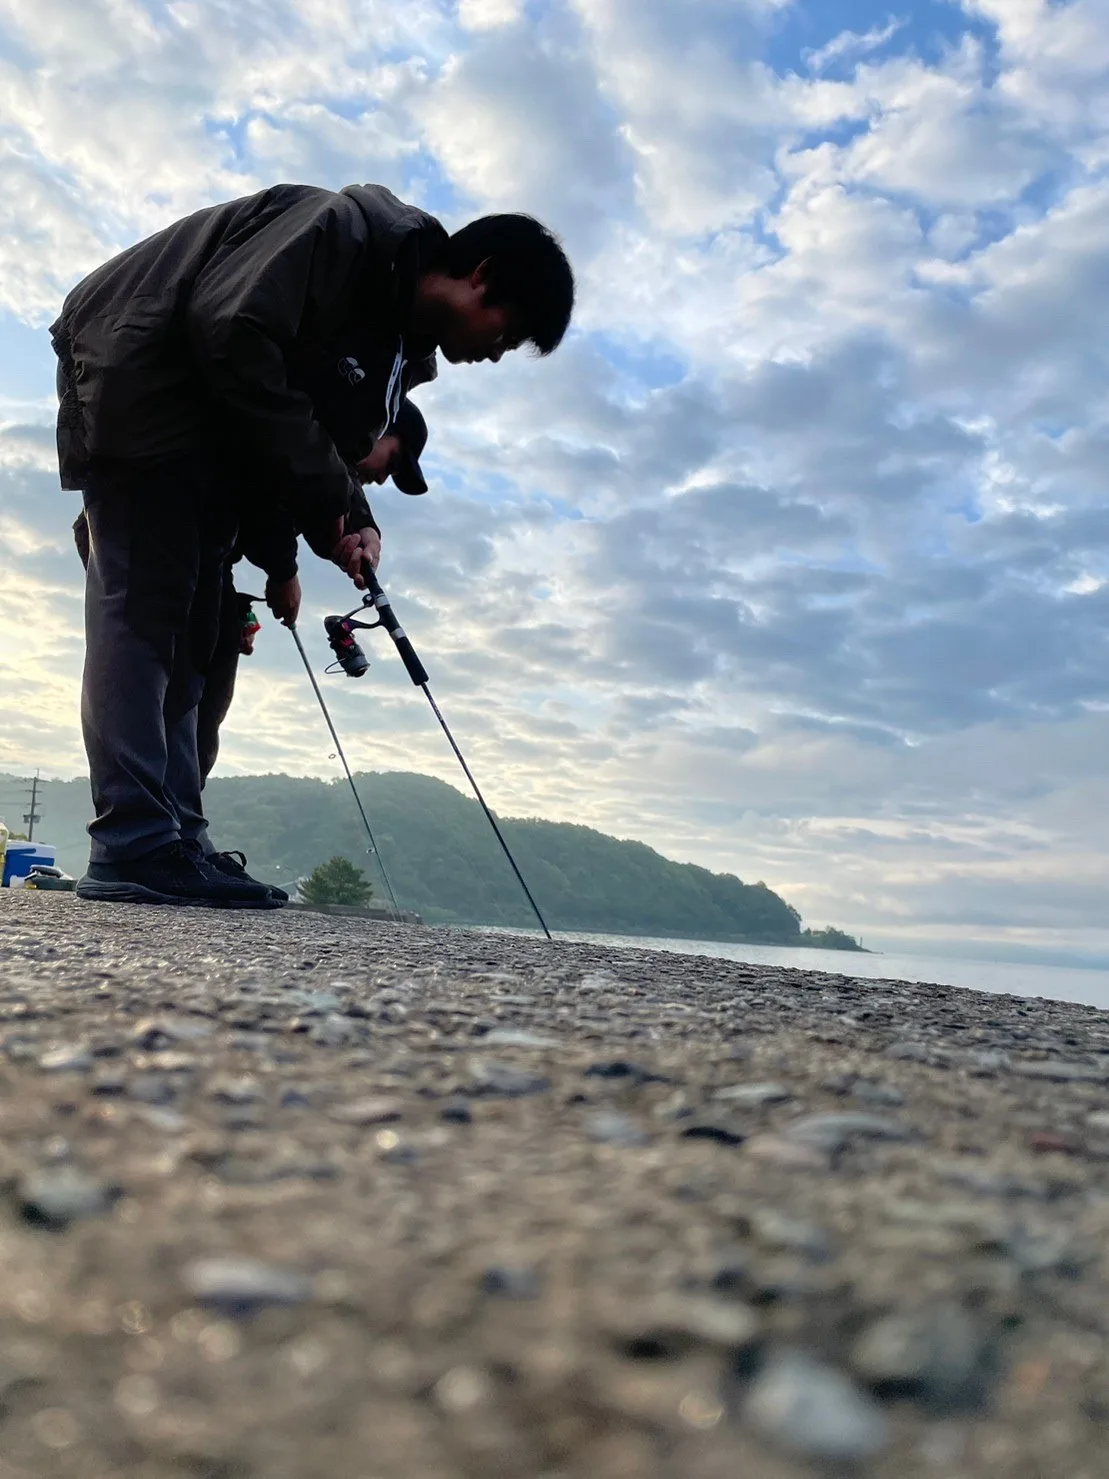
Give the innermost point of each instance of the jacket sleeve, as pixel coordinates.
(244, 313)
(268, 539)
(360, 516)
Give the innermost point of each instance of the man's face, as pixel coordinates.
(476, 330)
(378, 465)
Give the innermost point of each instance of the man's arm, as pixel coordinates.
(244, 314)
(360, 516)
(268, 539)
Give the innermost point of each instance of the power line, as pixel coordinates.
(32, 817)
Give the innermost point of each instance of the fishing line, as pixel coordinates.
(350, 657)
(375, 850)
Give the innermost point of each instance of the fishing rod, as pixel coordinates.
(342, 756)
(353, 661)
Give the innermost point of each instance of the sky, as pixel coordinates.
(792, 561)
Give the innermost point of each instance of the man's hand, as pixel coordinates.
(283, 599)
(352, 549)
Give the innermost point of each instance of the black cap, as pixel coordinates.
(411, 428)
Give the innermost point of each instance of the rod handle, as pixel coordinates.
(413, 666)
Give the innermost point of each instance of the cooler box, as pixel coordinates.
(21, 857)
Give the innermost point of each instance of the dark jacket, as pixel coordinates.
(269, 543)
(230, 328)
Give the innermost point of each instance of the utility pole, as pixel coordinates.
(33, 816)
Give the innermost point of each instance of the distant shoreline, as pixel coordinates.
(655, 934)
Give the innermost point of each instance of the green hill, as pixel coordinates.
(443, 859)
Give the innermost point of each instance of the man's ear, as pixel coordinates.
(479, 278)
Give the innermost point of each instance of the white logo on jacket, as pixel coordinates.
(351, 371)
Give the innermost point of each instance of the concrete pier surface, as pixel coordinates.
(288, 1196)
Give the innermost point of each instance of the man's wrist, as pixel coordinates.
(282, 574)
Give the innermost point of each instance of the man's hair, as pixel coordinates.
(527, 269)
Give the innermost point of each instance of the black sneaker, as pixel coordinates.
(233, 864)
(173, 874)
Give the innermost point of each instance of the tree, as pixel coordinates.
(830, 939)
(336, 882)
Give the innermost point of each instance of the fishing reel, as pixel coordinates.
(349, 656)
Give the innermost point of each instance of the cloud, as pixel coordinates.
(486, 15)
(517, 123)
(700, 109)
(851, 44)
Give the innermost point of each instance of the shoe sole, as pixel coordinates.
(100, 892)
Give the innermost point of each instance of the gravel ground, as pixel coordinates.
(286, 1196)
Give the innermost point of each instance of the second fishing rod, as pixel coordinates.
(352, 660)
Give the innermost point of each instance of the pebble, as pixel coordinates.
(712, 1129)
(152, 1088)
(972, 1218)
(504, 1081)
(109, 1084)
(336, 1032)
(295, 1098)
(1057, 1072)
(839, 1084)
(238, 1286)
(457, 1112)
(398, 1154)
(153, 1035)
(511, 1283)
(509, 1037)
(169, 1121)
(791, 1155)
(612, 1128)
(780, 1232)
(752, 1096)
(362, 1112)
(671, 1326)
(935, 1355)
(312, 1003)
(987, 1064)
(835, 1132)
(166, 1061)
(732, 1273)
(908, 1052)
(881, 1095)
(623, 1068)
(1049, 1142)
(67, 1058)
(1044, 1252)
(974, 1177)
(813, 1411)
(54, 1198)
(244, 1090)
(783, 1281)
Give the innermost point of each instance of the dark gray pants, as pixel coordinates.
(159, 543)
(219, 679)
